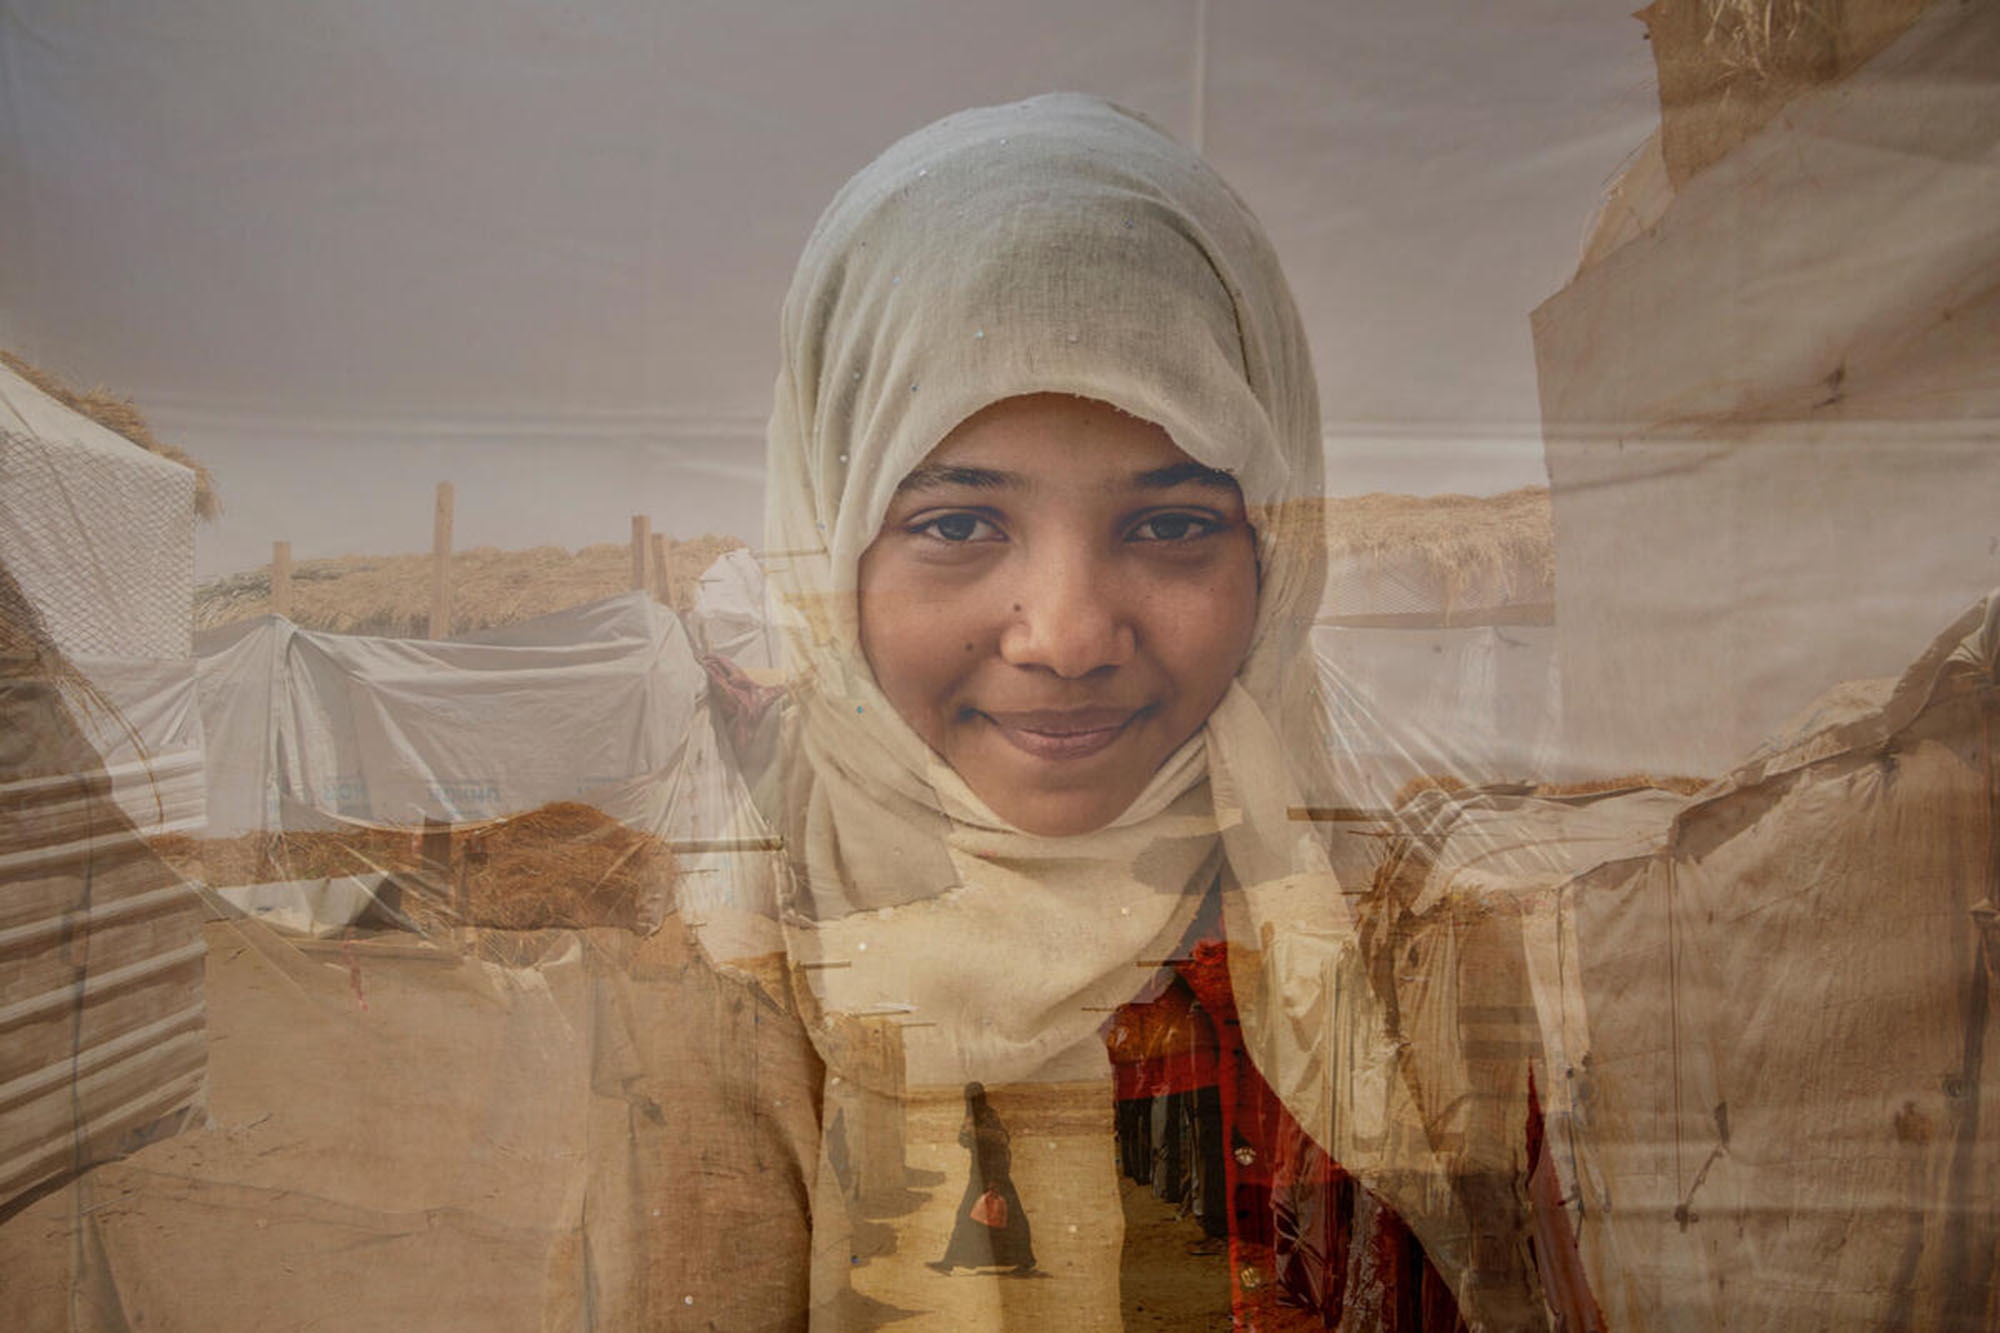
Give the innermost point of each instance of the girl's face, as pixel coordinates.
(1057, 599)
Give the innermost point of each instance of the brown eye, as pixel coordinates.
(1174, 528)
(957, 528)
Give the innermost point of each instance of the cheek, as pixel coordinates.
(1206, 631)
(915, 638)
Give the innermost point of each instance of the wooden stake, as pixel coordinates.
(662, 588)
(281, 579)
(642, 545)
(434, 846)
(441, 565)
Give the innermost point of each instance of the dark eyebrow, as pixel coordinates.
(933, 476)
(1181, 474)
(930, 476)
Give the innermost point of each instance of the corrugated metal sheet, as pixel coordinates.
(103, 1040)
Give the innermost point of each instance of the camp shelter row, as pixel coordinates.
(295, 773)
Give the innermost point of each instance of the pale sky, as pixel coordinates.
(538, 250)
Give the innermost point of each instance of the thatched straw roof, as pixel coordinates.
(120, 416)
(1455, 538)
(390, 595)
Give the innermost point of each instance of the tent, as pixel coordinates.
(334, 735)
(101, 1005)
(1770, 408)
(730, 617)
(98, 533)
(1748, 1028)
(408, 1136)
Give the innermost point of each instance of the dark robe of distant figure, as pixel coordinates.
(975, 1244)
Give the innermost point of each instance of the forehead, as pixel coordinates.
(1054, 440)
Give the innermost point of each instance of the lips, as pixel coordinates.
(1063, 734)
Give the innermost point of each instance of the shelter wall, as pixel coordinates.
(1758, 1022)
(1785, 1119)
(98, 533)
(102, 1015)
(618, 1137)
(1771, 420)
(102, 1040)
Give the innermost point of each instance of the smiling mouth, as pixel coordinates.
(1064, 736)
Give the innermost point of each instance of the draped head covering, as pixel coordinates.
(1058, 245)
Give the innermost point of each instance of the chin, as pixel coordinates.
(1059, 814)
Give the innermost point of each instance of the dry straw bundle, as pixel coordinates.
(1727, 66)
(1504, 543)
(562, 866)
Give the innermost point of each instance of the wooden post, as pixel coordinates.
(434, 847)
(440, 880)
(662, 589)
(642, 551)
(441, 565)
(281, 579)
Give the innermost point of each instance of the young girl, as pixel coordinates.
(1043, 476)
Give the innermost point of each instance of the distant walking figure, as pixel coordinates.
(992, 1227)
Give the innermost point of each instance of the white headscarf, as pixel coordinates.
(1058, 245)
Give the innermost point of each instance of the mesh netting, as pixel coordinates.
(102, 541)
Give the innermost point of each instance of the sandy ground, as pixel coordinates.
(1173, 1276)
(405, 1141)
(409, 1140)
(1111, 1255)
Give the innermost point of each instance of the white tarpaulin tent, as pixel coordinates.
(404, 731)
(101, 1008)
(603, 705)
(98, 532)
(730, 617)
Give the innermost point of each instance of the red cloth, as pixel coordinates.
(1162, 1047)
(1305, 1240)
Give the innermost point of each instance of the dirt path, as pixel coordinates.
(1111, 1255)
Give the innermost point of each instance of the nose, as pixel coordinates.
(1069, 616)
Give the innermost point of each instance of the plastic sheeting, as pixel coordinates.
(402, 1137)
(397, 731)
(604, 706)
(730, 617)
(1784, 1114)
(98, 532)
(1752, 1025)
